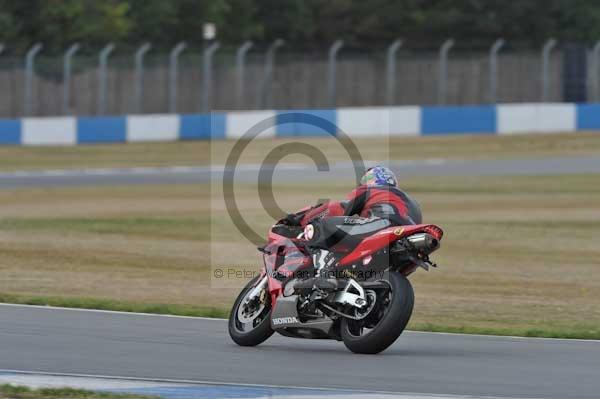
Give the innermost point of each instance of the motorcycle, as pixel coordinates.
(365, 300)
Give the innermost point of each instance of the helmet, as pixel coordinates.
(379, 176)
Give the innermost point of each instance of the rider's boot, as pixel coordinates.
(324, 279)
(320, 282)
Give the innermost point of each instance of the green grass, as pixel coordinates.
(121, 306)
(574, 332)
(20, 392)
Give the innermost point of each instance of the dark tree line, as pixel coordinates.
(303, 23)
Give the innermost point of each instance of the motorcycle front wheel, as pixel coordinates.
(385, 322)
(250, 322)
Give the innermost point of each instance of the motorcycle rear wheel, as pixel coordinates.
(378, 331)
(248, 328)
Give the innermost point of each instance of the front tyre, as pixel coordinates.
(250, 321)
(385, 322)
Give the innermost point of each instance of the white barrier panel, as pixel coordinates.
(158, 127)
(531, 118)
(364, 121)
(49, 131)
(557, 117)
(516, 118)
(379, 121)
(405, 121)
(238, 123)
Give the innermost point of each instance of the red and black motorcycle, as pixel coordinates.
(365, 300)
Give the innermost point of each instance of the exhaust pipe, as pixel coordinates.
(424, 243)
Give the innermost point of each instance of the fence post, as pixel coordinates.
(29, 65)
(498, 44)
(331, 71)
(173, 73)
(240, 64)
(207, 58)
(493, 69)
(102, 60)
(1, 47)
(67, 76)
(268, 73)
(546, 50)
(595, 77)
(139, 76)
(443, 70)
(392, 49)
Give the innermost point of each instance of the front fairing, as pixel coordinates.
(284, 258)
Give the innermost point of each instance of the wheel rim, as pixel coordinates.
(371, 303)
(249, 314)
(364, 326)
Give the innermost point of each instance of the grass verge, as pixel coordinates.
(20, 392)
(120, 306)
(573, 332)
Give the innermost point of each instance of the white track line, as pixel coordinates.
(223, 320)
(143, 170)
(235, 384)
(104, 171)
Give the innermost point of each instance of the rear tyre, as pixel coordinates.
(385, 322)
(250, 323)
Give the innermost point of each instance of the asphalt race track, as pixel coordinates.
(294, 172)
(194, 349)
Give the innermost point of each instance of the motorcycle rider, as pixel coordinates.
(377, 197)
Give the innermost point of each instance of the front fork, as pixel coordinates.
(255, 293)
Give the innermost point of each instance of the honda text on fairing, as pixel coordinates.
(368, 302)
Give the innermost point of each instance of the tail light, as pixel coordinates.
(435, 231)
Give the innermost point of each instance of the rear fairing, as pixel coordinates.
(381, 240)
